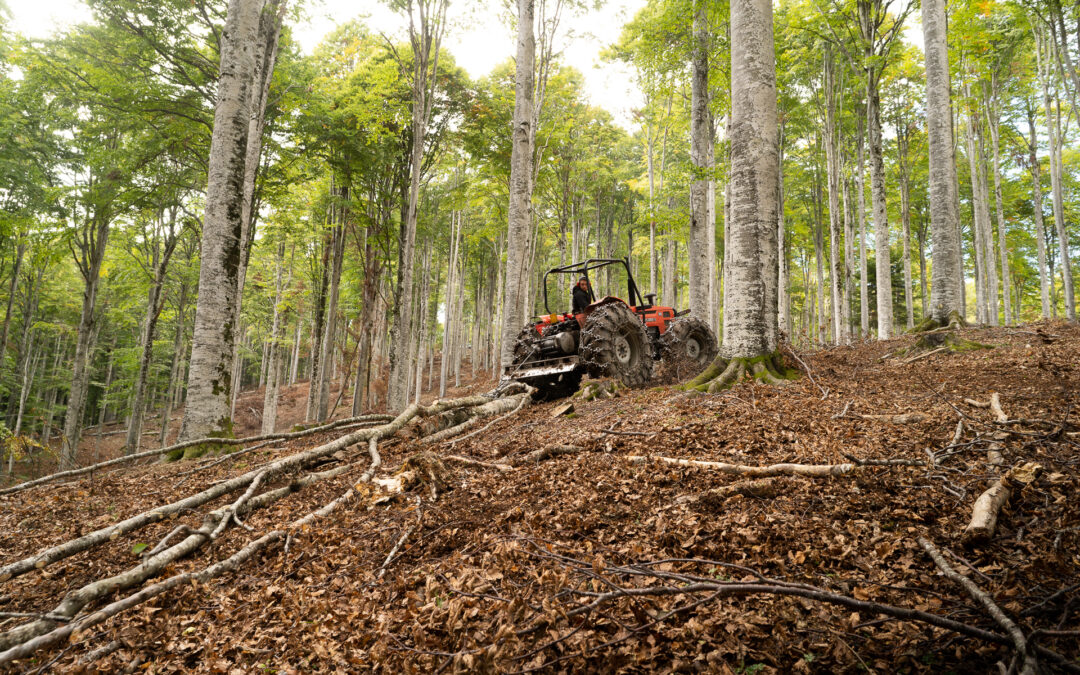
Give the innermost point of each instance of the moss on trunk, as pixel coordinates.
(724, 373)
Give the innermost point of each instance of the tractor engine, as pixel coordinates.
(559, 339)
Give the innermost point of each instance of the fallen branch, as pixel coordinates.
(884, 462)
(77, 599)
(525, 398)
(457, 459)
(995, 407)
(811, 470)
(187, 444)
(1028, 663)
(984, 513)
(905, 418)
(809, 373)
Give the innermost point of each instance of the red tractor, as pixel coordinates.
(612, 337)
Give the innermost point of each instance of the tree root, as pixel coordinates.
(948, 340)
(724, 373)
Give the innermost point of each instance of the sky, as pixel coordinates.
(480, 37)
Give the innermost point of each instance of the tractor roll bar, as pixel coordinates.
(583, 269)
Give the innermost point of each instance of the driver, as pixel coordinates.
(581, 296)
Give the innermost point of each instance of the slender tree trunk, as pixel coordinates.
(905, 218)
(832, 163)
(20, 252)
(1056, 140)
(947, 284)
(783, 307)
(270, 394)
(698, 245)
(330, 332)
(749, 328)
(993, 122)
(882, 263)
(210, 385)
(860, 207)
(1037, 204)
(92, 255)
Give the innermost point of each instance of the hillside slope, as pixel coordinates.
(489, 569)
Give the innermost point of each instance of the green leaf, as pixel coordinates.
(139, 548)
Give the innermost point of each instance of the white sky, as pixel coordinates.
(480, 38)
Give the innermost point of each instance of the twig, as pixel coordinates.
(915, 358)
(809, 374)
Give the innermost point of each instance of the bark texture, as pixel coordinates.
(210, 382)
(946, 289)
(751, 305)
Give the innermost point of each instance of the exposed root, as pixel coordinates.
(948, 340)
(764, 488)
(724, 373)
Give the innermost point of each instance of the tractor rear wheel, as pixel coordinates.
(614, 344)
(688, 346)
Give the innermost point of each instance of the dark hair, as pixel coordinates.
(585, 279)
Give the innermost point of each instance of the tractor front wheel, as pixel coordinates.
(614, 344)
(688, 346)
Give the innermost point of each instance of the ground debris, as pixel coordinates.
(486, 575)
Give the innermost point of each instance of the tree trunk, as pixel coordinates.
(425, 68)
(1064, 263)
(92, 254)
(330, 332)
(905, 217)
(1037, 203)
(832, 164)
(20, 252)
(270, 394)
(698, 245)
(993, 122)
(749, 326)
(882, 264)
(946, 288)
(783, 307)
(210, 385)
(860, 207)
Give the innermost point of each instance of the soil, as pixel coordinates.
(492, 567)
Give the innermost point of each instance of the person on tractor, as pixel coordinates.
(581, 296)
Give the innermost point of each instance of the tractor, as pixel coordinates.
(612, 337)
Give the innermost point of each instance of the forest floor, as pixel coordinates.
(490, 575)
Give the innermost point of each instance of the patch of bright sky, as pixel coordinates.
(481, 37)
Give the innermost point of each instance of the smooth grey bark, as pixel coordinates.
(91, 244)
(946, 288)
(426, 40)
(318, 326)
(210, 384)
(1037, 207)
(992, 107)
(700, 138)
(860, 209)
(821, 323)
(882, 263)
(751, 305)
(832, 165)
(905, 216)
(337, 252)
(164, 243)
(783, 307)
(520, 206)
(174, 369)
(270, 394)
(1056, 140)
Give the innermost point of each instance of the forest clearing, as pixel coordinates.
(539, 336)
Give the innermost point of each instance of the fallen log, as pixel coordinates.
(76, 600)
(289, 435)
(811, 470)
(984, 514)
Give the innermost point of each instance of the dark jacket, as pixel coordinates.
(581, 300)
